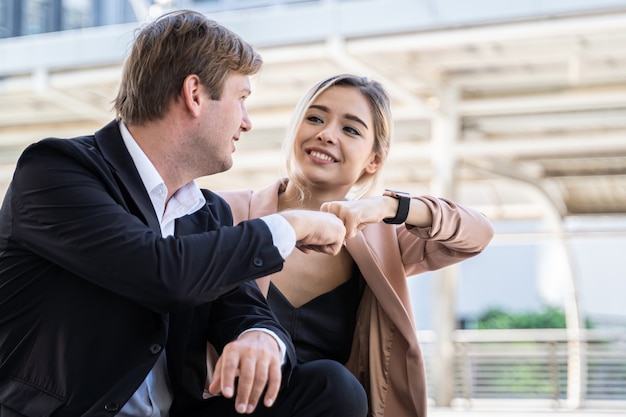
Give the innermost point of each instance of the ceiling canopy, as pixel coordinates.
(524, 116)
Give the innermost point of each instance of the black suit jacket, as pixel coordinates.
(90, 293)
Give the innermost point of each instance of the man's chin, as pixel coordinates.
(225, 166)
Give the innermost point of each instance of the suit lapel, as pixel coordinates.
(109, 140)
(372, 270)
(193, 223)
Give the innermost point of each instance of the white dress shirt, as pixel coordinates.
(153, 398)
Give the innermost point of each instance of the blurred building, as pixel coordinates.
(31, 17)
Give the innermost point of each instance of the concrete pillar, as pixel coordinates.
(445, 131)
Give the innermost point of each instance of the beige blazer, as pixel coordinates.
(386, 356)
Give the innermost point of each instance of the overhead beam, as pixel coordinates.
(540, 29)
(565, 101)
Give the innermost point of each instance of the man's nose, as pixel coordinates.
(246, 123)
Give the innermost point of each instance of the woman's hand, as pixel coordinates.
(355, 214)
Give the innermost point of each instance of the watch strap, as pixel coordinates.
(404, 203)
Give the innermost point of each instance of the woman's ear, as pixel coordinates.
(374, 164)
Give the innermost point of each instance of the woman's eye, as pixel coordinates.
(352, 131)
(314, 119)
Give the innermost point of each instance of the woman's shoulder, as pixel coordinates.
(235, 195)
(247, 203)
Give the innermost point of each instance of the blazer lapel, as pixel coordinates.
(109, 140)
(193, 223)
(372, 271)
(363, 256)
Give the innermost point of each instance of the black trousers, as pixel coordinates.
(321, 388)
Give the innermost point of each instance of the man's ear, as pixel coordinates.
(191, 93)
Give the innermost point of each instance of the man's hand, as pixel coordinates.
(256, 359)
(316, 231)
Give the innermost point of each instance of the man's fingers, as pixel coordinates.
(327, 249)
(244, 385)
(304, 248)
(314, 229)
(255, 361)
(215, 386)
(252, 381)
(273, 385)
(227, 372)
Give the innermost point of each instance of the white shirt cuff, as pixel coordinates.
(283, 235)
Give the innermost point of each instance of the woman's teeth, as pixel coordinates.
(323, 156)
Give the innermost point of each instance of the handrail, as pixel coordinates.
(531, 365)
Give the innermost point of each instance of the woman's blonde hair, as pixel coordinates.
(169, 49)
(378, 100)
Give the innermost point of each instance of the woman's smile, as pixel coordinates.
(321, 157)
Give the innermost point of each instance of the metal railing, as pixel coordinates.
(532, 365)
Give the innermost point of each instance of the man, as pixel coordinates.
(116, 269)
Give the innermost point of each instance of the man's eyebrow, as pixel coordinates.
(347, 115)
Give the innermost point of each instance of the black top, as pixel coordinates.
(323, 327)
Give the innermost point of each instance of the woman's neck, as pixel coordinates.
(313, 199)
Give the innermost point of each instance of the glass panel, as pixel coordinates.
(34, 17)
(77, 14)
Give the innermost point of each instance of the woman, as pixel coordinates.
(355, 307)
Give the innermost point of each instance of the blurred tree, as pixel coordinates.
(497, 318)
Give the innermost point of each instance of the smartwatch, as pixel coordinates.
(404, 202)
